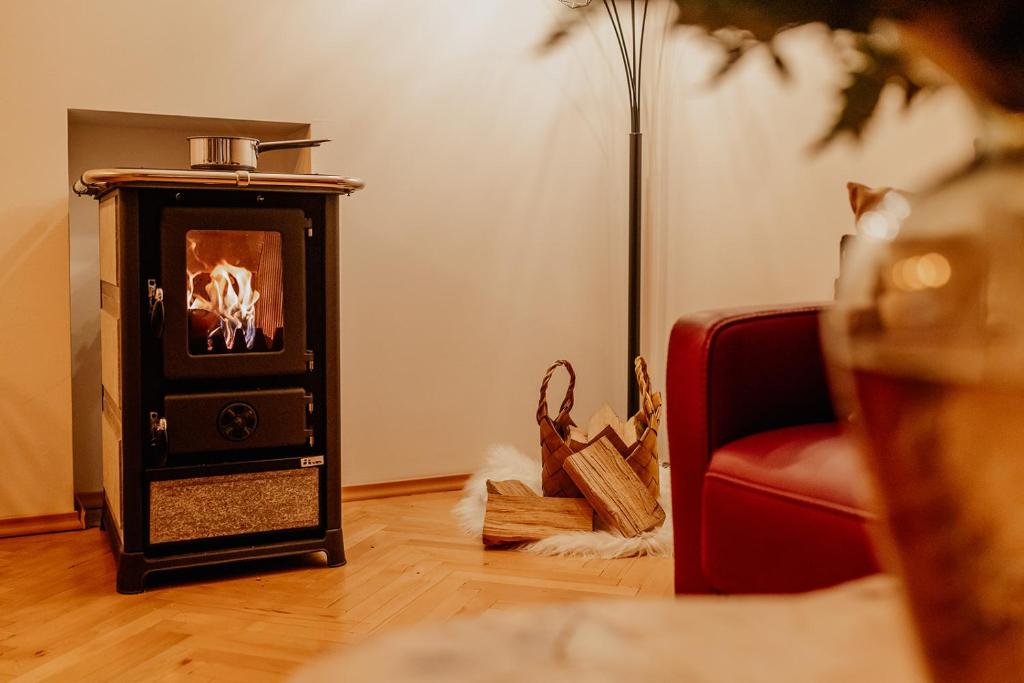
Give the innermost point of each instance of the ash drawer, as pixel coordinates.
(237, 420)
(233, 504)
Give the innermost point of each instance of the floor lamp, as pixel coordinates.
(629, 36)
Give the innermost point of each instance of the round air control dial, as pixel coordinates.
(237, 421)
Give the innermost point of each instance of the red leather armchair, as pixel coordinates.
(768, 496)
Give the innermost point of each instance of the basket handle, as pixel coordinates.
(542, 407)
(643, 381)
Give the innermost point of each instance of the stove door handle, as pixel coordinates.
(156, 308)
(157, 430)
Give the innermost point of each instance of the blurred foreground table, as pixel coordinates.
(856, 632)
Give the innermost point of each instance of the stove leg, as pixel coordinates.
(131, 573)
(334, 547)
(131, 567)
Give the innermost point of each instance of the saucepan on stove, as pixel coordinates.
(235, 153)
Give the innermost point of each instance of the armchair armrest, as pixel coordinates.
(732, 374)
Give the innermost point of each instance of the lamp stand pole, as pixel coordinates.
(635, 241)
(631, 49)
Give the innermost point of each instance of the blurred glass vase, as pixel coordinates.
(926, 345)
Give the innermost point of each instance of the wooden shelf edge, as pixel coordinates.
(403, 487)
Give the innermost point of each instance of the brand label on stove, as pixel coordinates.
(312, 461)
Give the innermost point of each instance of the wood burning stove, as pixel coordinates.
(220, 346)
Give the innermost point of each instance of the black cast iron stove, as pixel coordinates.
(220, 346)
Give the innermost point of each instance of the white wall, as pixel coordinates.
(490, 240)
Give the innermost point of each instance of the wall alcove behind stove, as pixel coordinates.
(98, 139)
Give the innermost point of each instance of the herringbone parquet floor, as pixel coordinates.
(60, 618)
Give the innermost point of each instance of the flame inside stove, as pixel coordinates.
(230, 297)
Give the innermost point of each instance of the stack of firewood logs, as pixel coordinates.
(598, 469)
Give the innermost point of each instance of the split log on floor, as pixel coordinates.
(611, 486)
(633, 432)
(577, 439)
(517, 519)
(613, 438)
(603, 418)
(509, 487)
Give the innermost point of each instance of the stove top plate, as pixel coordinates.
(99, 180)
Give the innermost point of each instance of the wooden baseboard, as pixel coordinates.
(403, 487)
(91, 500)
(42, 524)
(90, 504)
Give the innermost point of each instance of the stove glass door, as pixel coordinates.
(234, 291)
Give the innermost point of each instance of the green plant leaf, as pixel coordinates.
(738, 27)
(764, 19)
(882, 67)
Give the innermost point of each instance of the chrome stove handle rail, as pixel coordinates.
(98, 180)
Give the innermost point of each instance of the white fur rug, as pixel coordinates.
(506, 462)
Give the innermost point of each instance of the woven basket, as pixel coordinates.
(555, 447)
(643, 457)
